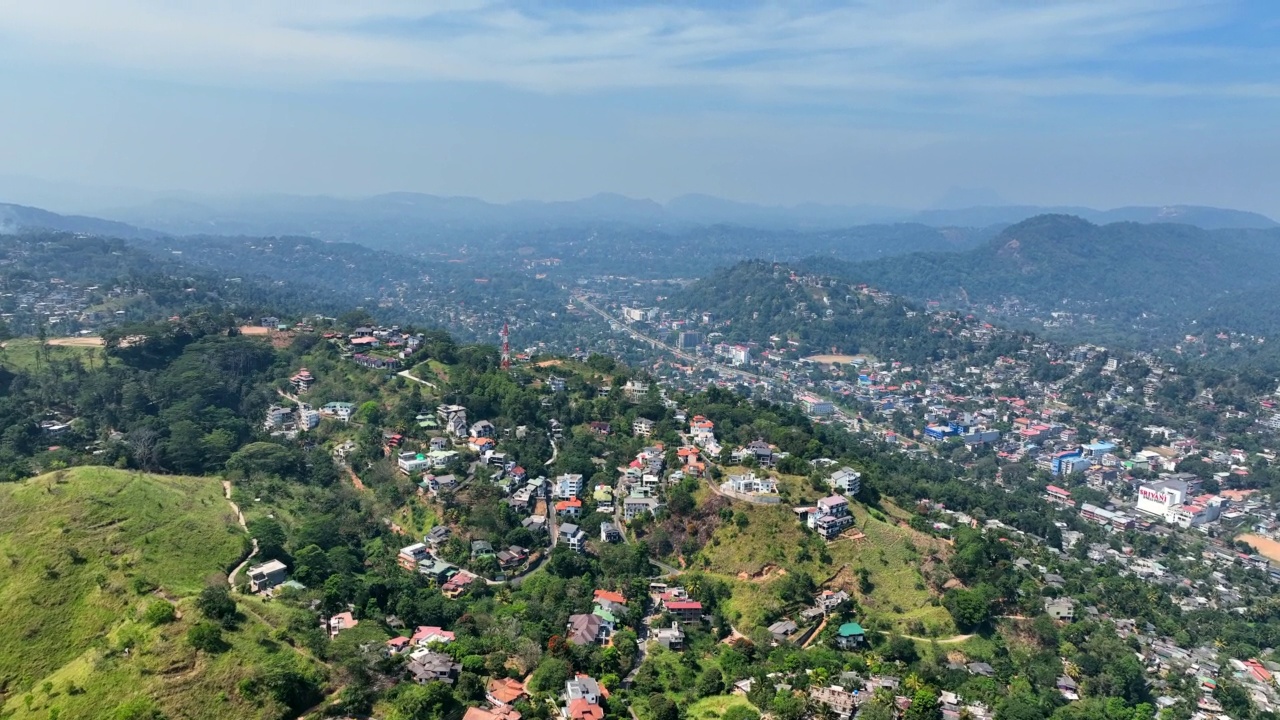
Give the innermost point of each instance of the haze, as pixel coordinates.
(1101, 103)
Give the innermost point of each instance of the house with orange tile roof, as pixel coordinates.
(505, 691)
(497, 713)
(571, 507)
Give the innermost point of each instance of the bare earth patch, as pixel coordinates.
(76, 342)
(834, 359)
(1267, 548)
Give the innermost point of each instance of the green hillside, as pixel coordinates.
(85, 552)
(759, 555)
(1122, 275)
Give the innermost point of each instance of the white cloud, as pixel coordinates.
(912, 48)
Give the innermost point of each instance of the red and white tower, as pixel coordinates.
(506, 347)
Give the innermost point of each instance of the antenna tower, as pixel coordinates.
(506, 347)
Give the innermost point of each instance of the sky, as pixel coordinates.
(1102, 103)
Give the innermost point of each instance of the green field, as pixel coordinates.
(712, 708)
(21, 354)
(756, 556)
(85, 551)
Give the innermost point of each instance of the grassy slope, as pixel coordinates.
(771, 542)
(72, 544)
(711, 708)
(20, 353)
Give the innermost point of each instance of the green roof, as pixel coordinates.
(850, 629)
(605, 615)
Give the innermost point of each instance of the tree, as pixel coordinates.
(551, 675)
(969, 608)
(661, 708)
(710, 682)
(788, 705)
(206, 636)
(159, 613)
(216, 604)
(270, 536)
(924, 706)
(901, 649)
(432, 701)
(311, 566)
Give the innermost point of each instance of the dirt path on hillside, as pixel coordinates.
(231, 579)
(941, 641)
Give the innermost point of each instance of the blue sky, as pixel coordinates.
(1098, 102)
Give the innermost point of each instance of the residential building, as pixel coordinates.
(425, 635)
(671, 638)
(1059, 495)
(427, 666)
(831, 517)
(814, 405)
(569, 508)
(574, 536)
(633, 507)
(1060, 608)
(684, 610)
(341, 621)
(846, 481)
(588, 629)
(783, 629)
(850, 635)
(410, 556)
(411, 463)
(568, 486)
(635, 390)
(642, 427)
(749, 484)
(610, 533)
(302, 381)
(582, 697)
(831, 600)
(500, 712)
(267, 575)
(842, 703)
(504, 692)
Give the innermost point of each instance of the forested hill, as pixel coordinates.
(755, 301)
(1123, 281)
(86, 281)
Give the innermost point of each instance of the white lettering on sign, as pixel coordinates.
(1154, 495)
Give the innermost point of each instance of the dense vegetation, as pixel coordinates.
(1140, 284)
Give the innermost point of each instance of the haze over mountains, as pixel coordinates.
(1154, 283)
(403, 215)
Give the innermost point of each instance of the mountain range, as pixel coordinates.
(1127, 281)
(394, 219)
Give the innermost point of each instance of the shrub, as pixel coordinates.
(159, 613)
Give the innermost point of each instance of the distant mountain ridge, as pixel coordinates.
(16, 218)
(406, 214)
(1158, 282)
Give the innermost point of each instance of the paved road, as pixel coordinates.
(405, 374)
(700, 362)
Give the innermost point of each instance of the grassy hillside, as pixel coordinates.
(772, 544)
(85, 551)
